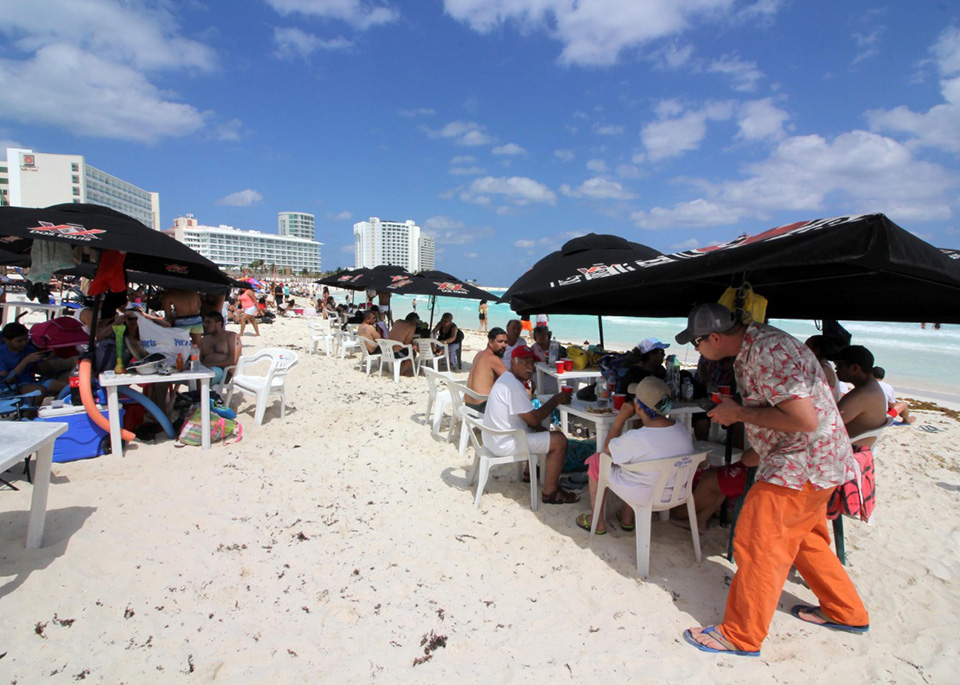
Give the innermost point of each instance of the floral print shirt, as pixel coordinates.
(773, 366)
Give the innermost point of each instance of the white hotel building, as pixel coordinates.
(231, 248)
(39, 179)
(379, 242)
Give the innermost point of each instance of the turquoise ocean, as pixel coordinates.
(917, 361)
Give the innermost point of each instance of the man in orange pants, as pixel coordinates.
(793, 424)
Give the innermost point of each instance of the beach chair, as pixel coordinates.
(365, 356)
(484, 459)
(427, 355)
(320, 332)
(262, 387)
(680, 471)
(838, 541)
(388, 355)
(438, 397)
(457, 393)
(346, 342)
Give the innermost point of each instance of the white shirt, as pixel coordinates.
(889, 393)
(508, 399)
(508, 350)
(647, 444)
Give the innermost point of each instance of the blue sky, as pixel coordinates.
(503, 127)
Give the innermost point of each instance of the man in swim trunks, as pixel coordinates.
(383, 300)
(793, 424)
(865, 407)
(219, 348)
(182, 309)
(403, 332)
(487, 367)
(369, 331)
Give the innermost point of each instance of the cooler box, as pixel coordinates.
(83, 439)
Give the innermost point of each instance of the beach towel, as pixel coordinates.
(856, 497)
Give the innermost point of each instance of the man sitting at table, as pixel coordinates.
(369, 331)
(403, 332)
(509, 408)
(541, 348)
(219, 348)
(487, 367)
(513, 339)
(646, 359)
(658, 438)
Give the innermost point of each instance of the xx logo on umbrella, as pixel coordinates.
(399, 282)
(451, 288)
(176, 268)
(75, 231)
(602, 270)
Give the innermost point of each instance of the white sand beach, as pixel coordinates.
(338, 543)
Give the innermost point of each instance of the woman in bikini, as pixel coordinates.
(482, 309)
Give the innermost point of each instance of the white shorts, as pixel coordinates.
(539, 443)
(250, 311)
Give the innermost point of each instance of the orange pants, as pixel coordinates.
(779, 528)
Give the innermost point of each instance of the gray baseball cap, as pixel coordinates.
(705, 319)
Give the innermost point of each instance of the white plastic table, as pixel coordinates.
(113, 382)
(20, 439)
(580, 409)
(49, 310)
(573, 376)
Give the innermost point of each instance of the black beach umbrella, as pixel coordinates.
(863, 268)
(434, 283)
(577, 270)
(364, 278)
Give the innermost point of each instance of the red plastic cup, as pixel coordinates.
(724, 389)
(561, 367)
(618, 400)
(568, 364)
(567, 389)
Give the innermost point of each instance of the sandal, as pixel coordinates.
(561, 496)
(803, 609)
(626, 528)
(714, 634)
(583, 521)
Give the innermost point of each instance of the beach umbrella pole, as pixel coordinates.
(600, 326)
(433, 303)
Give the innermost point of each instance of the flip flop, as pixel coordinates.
(928, 428)
(583, 521)
(626, 528)
(561, 496)
(728, 648)
(807, 609)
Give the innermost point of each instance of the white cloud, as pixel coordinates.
(349, 248)
(509, 149)
(468, 133)
(628, 171)
(466, 170)
(680, 131)
(610, 130)
(518, 190)
(417, 112)
(743, 76)
(592, 31)
(339, 216)
(241, 198)
(295, 43)
(564, 155)
(857, 172)
(691, 244)
(524, 244)
(463, 159)
(939, 127)
(598, 188)
(357, 13)
(471, 255)
(449, 231)
(761, 119)
(229, 130)
(597, 166)
(98, 57)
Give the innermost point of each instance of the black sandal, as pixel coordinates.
(561, 496)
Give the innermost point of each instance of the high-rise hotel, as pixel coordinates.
(379, 242)
(40, 179)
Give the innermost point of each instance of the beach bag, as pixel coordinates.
(64, 331)
(856, 497)
(221, 429)
(579, 357)
(745, 303)
(167, 341)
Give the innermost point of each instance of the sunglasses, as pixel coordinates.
(696, 341)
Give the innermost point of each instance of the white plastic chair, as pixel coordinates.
(347, 343)
(320, 332)
(388, 355)
(484, 459)
(426, 354)
(365, 356)
(677, 472)
(438, 397)
(457, 393)
(264, 386)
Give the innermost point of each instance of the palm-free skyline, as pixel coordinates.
(502, 127)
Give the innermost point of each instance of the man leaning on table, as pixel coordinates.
(793, 424)
(509, 408)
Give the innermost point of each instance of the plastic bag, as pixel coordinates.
(168, 341)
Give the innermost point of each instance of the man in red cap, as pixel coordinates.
(509, 408)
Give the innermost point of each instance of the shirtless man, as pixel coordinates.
(403, 332)
(487, 367)
(865, 407)
(182, 309)
(383, 300)
(218, 348)
(368, 330)
(895, 407)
